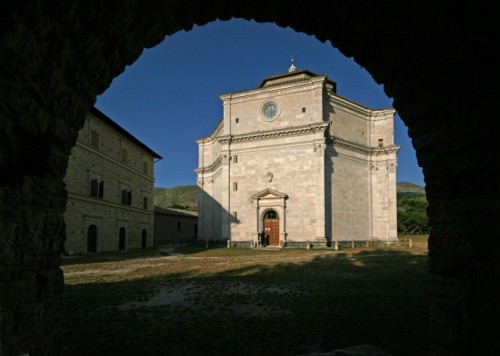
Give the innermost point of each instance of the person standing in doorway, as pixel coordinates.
(263, 238)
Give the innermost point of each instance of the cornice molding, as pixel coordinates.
(295, 131)
(371, 151)
(113, 160)
(108, 203)
(210, 168)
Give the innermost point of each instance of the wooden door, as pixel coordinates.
(272, 228)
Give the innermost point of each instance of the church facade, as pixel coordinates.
(299, 163)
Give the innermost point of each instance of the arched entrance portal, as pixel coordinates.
(271, 224)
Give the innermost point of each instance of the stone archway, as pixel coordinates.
(57, 56)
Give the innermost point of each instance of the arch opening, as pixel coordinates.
(122, 239)
(92, 239)
(31, 175)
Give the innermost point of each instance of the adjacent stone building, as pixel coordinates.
(299, 162)
(109, 179)
(173, 226)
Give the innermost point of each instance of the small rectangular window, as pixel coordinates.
(94, 139)
(237, 120)
(145, 203)
(235, 214)
(129, 197)
(303, 110)
(96, 186)
(124, 196)
(235, 159)
(235, 186)
(124, 155)
(145, 167)
(101, 189)
(380, 142)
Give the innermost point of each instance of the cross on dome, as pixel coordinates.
(292, 67)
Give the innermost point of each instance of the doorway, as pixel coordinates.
(271, 224)
(92, 239)
(122, 236)
(144, 238)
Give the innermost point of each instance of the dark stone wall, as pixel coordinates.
(437, 62)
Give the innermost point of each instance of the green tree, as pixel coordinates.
(412, 214)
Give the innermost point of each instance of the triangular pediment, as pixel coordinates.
(269, 194)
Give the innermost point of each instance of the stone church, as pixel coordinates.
(300, 163)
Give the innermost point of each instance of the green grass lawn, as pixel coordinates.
(219, 301)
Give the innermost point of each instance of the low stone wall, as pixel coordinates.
(336, 245)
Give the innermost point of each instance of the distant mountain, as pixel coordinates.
(180, 197)
(186, 196)
(406, 188)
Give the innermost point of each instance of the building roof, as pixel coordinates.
(106, 119)
(294, 76)
(175, 212)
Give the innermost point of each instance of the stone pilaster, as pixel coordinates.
(227, 190)
(319, 149)
(393, 202)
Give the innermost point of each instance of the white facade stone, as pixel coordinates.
(323, 165)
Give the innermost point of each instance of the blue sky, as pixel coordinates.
(169, 97)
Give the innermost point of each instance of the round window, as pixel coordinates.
(270, 110)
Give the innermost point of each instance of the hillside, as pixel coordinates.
(180, 197)
(406, 188)
(186, 196)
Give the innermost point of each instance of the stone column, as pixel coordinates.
(31, 282)
(33, 197)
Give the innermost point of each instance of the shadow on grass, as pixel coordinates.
(109, 256)
(330, 301)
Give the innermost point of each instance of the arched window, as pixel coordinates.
(144, 238)
(92, 239)
(122, 239)
(271, 214)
